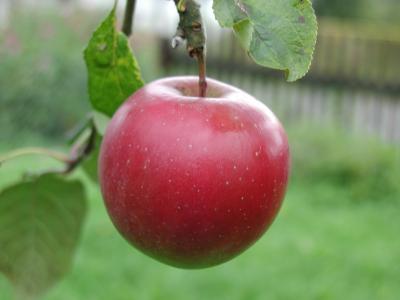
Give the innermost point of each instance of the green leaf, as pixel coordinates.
(113, 71)
(279, 34)
(40, 225)
(228, 13)
(101, 122)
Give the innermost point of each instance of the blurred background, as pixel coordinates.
(337, 236)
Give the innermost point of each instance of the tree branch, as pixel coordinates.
(59, 156)
(128, 18)
(80, 152)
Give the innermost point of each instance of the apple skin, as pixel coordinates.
(190, 181)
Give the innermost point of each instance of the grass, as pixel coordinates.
(314, 250)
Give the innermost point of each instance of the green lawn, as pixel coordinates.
(316, 249)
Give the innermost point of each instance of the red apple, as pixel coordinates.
(191, 181)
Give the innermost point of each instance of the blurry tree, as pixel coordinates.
(387, 11)
(384, 10)
(340, 8)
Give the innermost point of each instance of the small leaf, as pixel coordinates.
(113, 70)
(40, 225)
(279, 34)
(100, 121)
(243, 31)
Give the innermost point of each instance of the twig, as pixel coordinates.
(128, 18)
(61, 157)
(80, 151)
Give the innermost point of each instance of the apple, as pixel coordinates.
(193, 181)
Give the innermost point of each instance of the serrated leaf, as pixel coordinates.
(279, 34)
(228, 13)
(113, 71)
(40, 225)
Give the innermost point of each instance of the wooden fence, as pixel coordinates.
(354, 79)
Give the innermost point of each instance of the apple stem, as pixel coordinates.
(128, 18)
(202, 73)
(191, 29)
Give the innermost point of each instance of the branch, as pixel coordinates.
(81, 151)
(59, 156)
(191, 29)
(128, 18)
